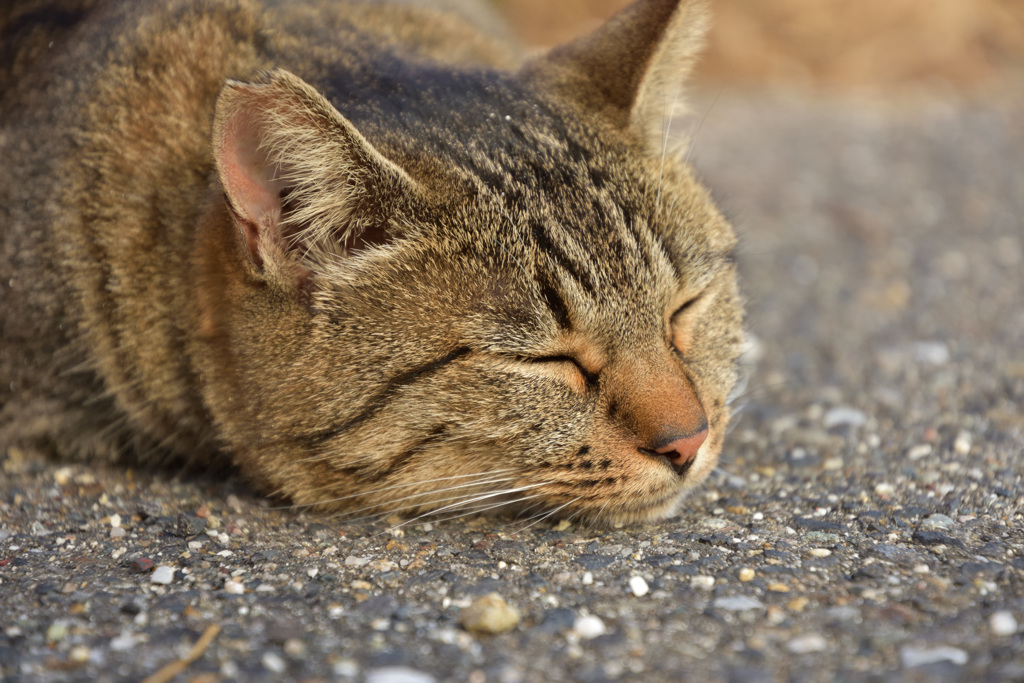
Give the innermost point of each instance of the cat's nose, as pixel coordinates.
(680, 450)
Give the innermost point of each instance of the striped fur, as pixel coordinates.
(366, 254)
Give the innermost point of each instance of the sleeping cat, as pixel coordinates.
(364, 251)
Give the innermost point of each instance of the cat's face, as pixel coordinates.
(542, 317)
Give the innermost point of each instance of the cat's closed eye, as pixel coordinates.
(684, 319)
(567, 367)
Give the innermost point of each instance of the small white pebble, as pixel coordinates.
(1002, 623)
(702, 582)
(746, 574)
(79, 654)
(639, 586)
(807, 643)
(118, 532)
(884, 489)
(398, 674)
(588, 627)
(911, 656)
(921, 450)
(234, 587)
(162, 575)
(842, 416)
(311, 573)
(819, 552)
(931, 352)
(962, 443)
(588, 578)
(274, 662)
(115, 521)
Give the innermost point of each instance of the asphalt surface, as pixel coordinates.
(866, 523)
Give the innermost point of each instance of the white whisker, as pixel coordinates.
(693, 138)
(392, 487)
(429, 492)
(541, 517)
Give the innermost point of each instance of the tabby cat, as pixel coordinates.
(365, 251)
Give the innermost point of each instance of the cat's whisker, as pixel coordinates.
(696, 133)
(471, 510)
(393, 487)
(463, 505)
(430, 492)
(459, 500)
(541, 517)
(666, 132)
(485, 496)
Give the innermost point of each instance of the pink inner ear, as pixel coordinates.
(249, 179)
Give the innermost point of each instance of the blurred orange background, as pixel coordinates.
(826, 43)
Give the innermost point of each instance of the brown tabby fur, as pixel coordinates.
(364, 251)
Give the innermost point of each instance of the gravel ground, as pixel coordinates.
(866, 523)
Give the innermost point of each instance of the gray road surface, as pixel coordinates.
(866, 524)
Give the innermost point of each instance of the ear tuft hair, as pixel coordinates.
(633, 69)
(298, 177)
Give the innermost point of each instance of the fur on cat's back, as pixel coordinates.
(364, 251)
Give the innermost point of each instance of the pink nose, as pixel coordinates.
(684, 448)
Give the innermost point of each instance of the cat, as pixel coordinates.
(366, 252)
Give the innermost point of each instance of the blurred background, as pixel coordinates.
(829, 44)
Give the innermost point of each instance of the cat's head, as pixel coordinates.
(476, 290)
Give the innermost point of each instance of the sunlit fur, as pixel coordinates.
(391, 338)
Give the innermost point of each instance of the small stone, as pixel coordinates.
(962, 443)
(189, 525)
(382, 566)
(118, 532)
(911, 656)
(274, 662)
(1002, 623)
(57, 631)
(639, 586)
(746, 574)
(234, 587)
(807, 643)
(162, 575)
(842, 416)
(353, 561)
(79, 654)
(588, 627)
(738, 603)
(819, 552)
(557, 620)
(489, 614)
(921, 450)
(931, 352)
(702, 582)
(398, 674)
(937, 521)
(588, 578)
(140, 565)
(797, 604)
(884, 489)
(778, 588)
(123, 642)
(115, 521)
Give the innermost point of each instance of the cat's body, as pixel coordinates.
(449, 282)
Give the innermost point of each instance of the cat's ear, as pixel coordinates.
(300, 180)
(633, 69)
